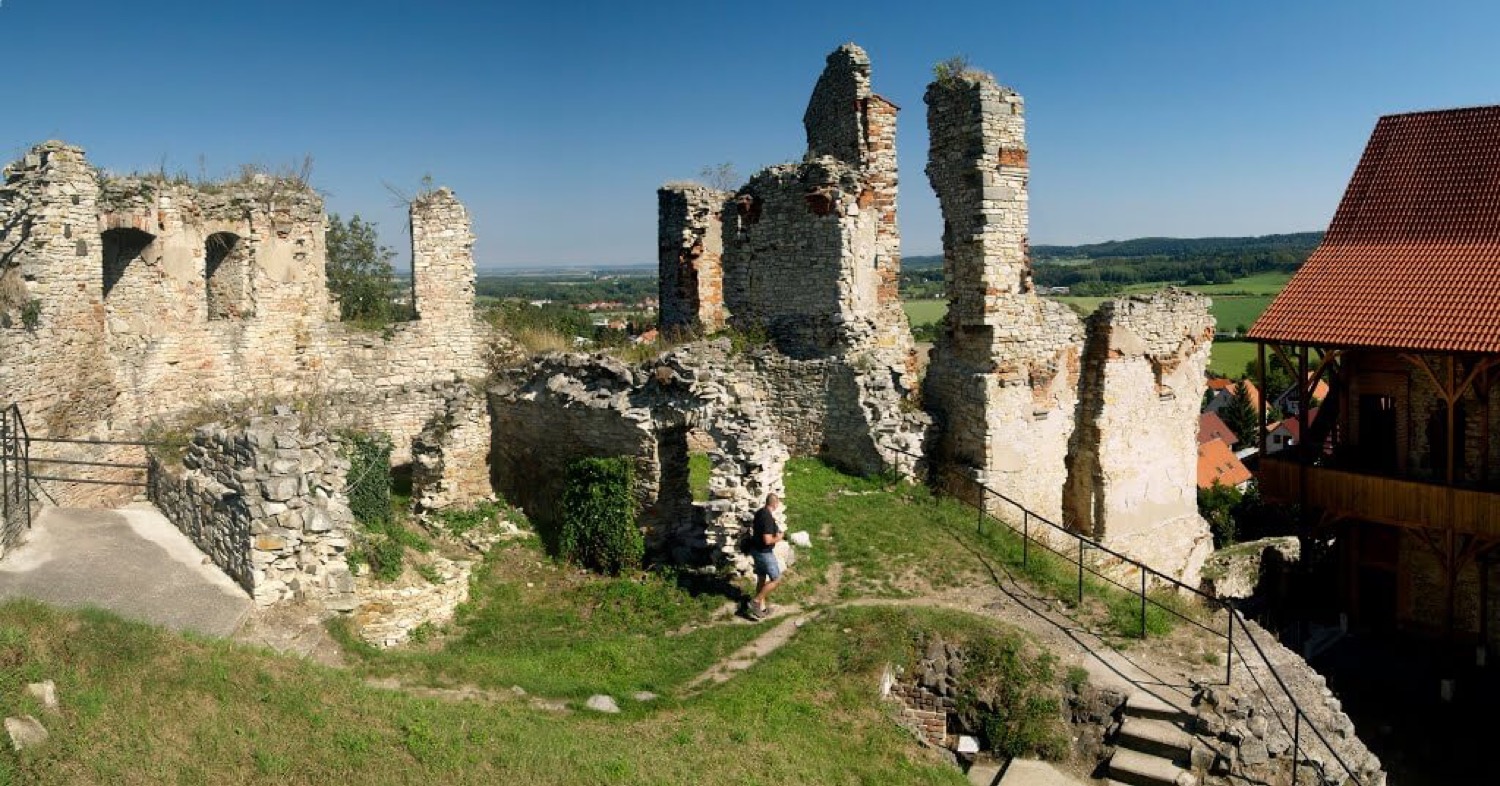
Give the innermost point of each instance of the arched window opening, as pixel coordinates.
(121, 247)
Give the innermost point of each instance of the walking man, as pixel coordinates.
(765, 534)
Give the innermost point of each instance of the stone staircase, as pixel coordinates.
(1153, 746)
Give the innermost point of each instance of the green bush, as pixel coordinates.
(369, 478)
(598, 520)
(1012, 695)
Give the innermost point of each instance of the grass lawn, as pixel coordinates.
(926, 311)
(1228, 358)
(141, 705)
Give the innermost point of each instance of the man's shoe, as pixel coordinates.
(753, 614)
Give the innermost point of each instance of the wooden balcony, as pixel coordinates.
(1397, 501)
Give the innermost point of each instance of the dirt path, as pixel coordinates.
(1164, 667)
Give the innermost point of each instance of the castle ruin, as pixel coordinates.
(1088, 427)
(130, 305)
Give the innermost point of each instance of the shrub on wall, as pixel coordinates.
(598, 516)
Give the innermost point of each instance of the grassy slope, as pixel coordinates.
(143, 706)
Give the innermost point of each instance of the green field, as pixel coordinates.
(925, 312)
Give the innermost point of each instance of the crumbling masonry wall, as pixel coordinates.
(1003, 377)
(690, 247)
(157, 299)
(266, 502)
(1133, 464)
(811, 259)
(567, 407)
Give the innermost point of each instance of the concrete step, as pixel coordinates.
(1030, 772)
(1144, 705)
(1156, 737)
(1143, 769)
(983, 774)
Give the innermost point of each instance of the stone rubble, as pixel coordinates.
(388, 613)
(44, 692)
(25, 732)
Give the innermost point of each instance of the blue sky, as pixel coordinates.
(555, 122)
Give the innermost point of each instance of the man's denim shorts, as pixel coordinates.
(767, 565)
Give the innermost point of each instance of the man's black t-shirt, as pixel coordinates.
(765, 524)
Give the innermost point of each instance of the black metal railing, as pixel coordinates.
(15, 469)
(1076, 549)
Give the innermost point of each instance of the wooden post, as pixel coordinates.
(1451, 395)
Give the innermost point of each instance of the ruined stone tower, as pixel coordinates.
(690, 244)
(808, 255)
(1098, 435)
(1002, 384)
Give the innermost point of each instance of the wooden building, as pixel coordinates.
(1398, 312)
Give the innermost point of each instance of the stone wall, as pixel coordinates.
(1133, 460)
(450, 457)
(690, 246)
(159, 299)
(567, 407)
(1002, 381)
(266, 502)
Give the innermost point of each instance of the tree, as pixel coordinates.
(1216, 505)
(1240, 417)
(1278, 378)
(359, 271)
(721, 176)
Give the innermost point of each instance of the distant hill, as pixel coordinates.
(1173, 248)
(1180, 248)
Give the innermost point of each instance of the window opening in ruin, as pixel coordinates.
(121, 247)
(226, 274)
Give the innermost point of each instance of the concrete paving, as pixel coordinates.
(132, 562)
(1030, 772)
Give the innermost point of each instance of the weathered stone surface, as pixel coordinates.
(44, 692)
(388, 613)
(1132, 464)
(1235, 571)
(25, 732)
(567, 407)
(1002, 383)
(602, 703)
(690, 248)
(159, 299)
(255, 525)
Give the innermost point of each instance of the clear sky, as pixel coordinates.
(556, 121)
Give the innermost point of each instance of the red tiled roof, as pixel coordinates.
(1412, 258)
(1216, 462)
(1211, 427)
(1218, 384)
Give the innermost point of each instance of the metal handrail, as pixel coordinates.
(1232, 613)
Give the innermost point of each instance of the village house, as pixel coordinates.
(1398, 314)
(1212, 427)
(1218, 466)
(1221, 391)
